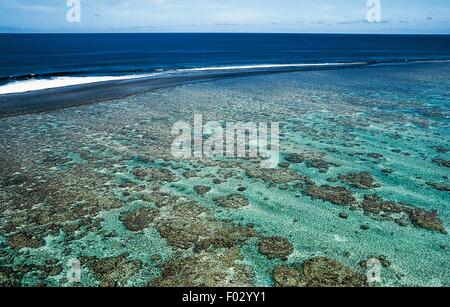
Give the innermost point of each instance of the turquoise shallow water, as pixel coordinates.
(72, 180)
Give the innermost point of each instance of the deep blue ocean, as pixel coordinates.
(25, 56)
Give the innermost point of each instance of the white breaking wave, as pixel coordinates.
(42, 84)
(262, 66)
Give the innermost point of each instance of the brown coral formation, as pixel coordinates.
(336, 195)
(375, 205)
(155, 174)
(275, 175)
(188, 226)
(325, 272)
(322, 165)
(113, 271)
(226, 237)
(160, 199)
(318, 272)
(138, 219)
(234, 201)
(360, 180)
(425, 219)
(206, 269)
(8, 278)
(202, 190)
(288, 277)
(22, 240)
(184, 226)
(216, 247)
(275, 247)
(295, 158)
(311, 160)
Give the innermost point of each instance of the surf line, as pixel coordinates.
(199, 298)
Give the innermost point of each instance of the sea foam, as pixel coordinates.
(56, 82)
(42, 84)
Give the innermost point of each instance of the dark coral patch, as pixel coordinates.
(325, 272)
(275, 247)
(234, 201)
(8, 278)
(336, 195)
(374, 204)
(113, 271)
(295, 158)
(442, 149)
(188, 226)
(311, 159)
(318, 272)
(284, 164)
(425, 219)
(288, 277)
(139, 219)
(184, 227)
(160, 199)
(190, 174)
(375, 155)
(322, 165)
(206, 269)
(388, 210)
(202, 190)
(276, 175)
(155, 174)
(360, 180)
(226, 237)
(441, 162)
(22, 240)
(439, 186)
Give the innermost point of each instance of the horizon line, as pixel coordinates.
(224, 32)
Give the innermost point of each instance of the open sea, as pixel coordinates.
(49, 60)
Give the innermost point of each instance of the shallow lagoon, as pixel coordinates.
(98, 183)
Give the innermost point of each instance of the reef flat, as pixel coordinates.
(364, 173)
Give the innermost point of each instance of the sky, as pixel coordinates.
(289, 16)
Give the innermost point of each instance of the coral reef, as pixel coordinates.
(275, 175)
(217, 269)
(441, 162)
(139, 219)
(336, 195)
(439, 186)
(22, 240)
(360, 180)
(375, 205)
(275, 247)
(99, 183)
(202, 190)
(113, 271)
(318, 272)
(234, 201)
